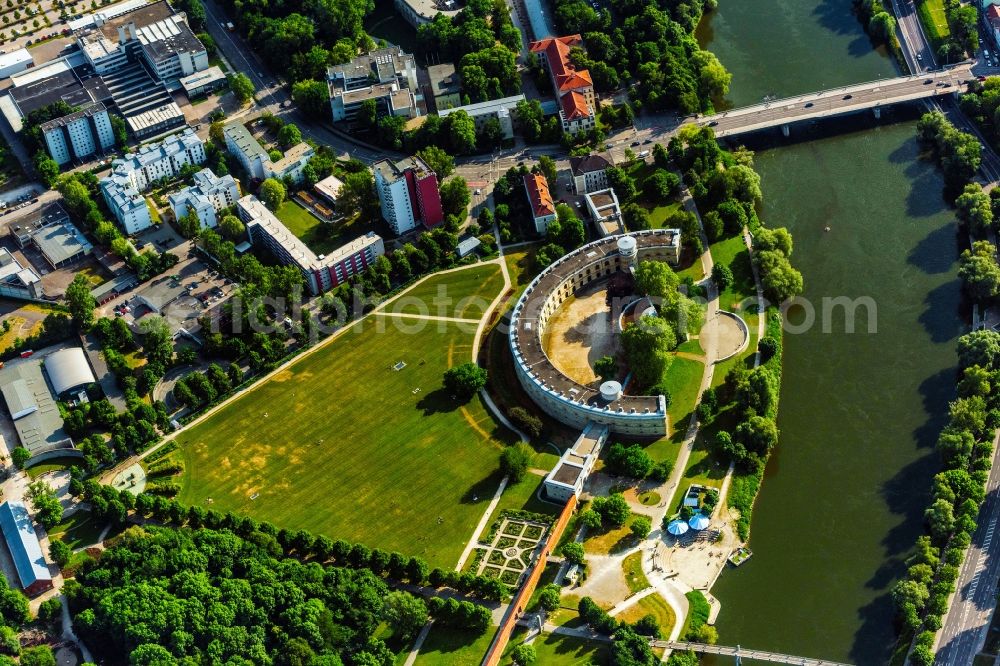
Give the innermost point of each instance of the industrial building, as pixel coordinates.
(129, 59)
(133, 174)
(17, 281)
(388, 76)
(50, 231)
(245, 148)
(25, 549)
(483, 112)
(209, 195)
(15, 62)
(69, 371)
(204, 82)
(573, 87)
(32, 407)
(408, 193)
(79, 135)
(543, 210)
(322, 272)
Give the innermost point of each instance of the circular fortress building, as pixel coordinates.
(561, 397)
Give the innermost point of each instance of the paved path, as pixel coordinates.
(407, 315)
(744, 653)
(631, 600)
(483, 522)
(418, 643)
(69, 634)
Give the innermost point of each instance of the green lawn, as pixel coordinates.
(660, 215)
(321, 237)
(654, 605)
(561, 650)
(934, 20)
(78, 530)
(632, 570)
(465, 294)
(522, 496)
(339, 443)
(683, 379)
(52, 465)
(521, 267)
(449, 647)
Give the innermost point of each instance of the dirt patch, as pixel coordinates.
(579, 333)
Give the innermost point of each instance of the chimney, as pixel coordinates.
(131, 31)
(121, 34)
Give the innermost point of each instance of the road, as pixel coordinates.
(967, 621)
(917, 51)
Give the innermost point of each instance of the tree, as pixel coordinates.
(647, 345)
(455, 196)
(514, 461)
(405, 613)
(614, 509)
(60, 552)
(289, 135)
(46, 506)
(635, 217)
(722, 276)
(631, 461)
(980, 271)
(641, 527)
(358, 194)
(780, 281)
(547, 254)
(465, 380)
(590, 519)
(573, 552)
(231, 227)
(440, 162)
(19, 456)
(547, 165)
(461, 132)
(940, 519)
(606, 367)
(622, 183)
(120, 130)
(38, 656)
(189, 224)
(661, 186)
(312, 97)
(549, 597)
(524, 655)
(656, 279)
(80, 302)
(272, 193)
(242, 87)
(47, 168)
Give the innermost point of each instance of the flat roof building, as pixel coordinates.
(202, 83)
(388, 76)
(482, 112)
(321, 272)
(445, 86)
(605, 212)
(329, 188)
(51, 232)
(408, 193)
(418, 12)
(254, 158)
(31, 405)
(79, 135)
(17, 281)
(209, 195)
(25, 549)
(14, 62)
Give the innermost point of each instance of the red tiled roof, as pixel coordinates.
(556, 50)
(993, 12)
(538, 195)
(575, 106)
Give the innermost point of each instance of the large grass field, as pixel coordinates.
(341, 444)
(464, 294)
(560, 650)
(449, 647)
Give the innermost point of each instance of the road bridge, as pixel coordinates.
(873, 95)
(743, 653)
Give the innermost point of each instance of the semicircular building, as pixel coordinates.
(559, 396)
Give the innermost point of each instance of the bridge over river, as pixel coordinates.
(873, 95)
(743, 653)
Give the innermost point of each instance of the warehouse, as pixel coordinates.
(68, 370)
(25, 550)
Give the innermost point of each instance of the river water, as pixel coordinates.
(843, 495)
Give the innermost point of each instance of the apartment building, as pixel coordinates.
(482, 112)
(209, 195)
(590, 172)
(79, 135)
(241, 144)
(408, 194)
(321, 272)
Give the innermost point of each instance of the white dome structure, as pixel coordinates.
(611, 390)
(68, 369)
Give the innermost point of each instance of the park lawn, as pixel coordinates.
(560, 649)
(632, 570)
(934, 20)
(78, 530)
(659, 216)
(682, 380)
(610, 540)
(523, 496)
(445, 646)
(465, 294)
(338, 443)
(52, 465)
(654, 605)
(521, 267)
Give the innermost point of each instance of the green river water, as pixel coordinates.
(843, 495)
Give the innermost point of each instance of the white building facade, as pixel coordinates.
(79, 135)
(209, 195)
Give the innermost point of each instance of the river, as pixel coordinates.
(844, 493)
